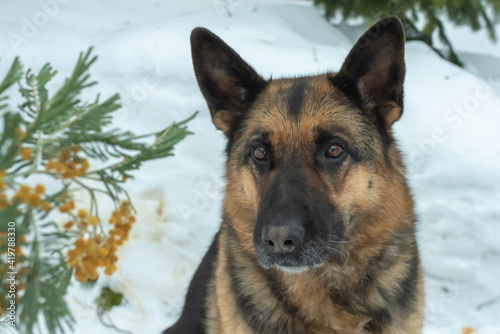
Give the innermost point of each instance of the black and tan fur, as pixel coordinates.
(356, 268)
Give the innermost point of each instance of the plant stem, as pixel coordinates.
(37, 152)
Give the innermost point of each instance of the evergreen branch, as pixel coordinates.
(29, 304)
(96, 116)
(36, 152)
(62, 132)
(473, 13)
(43, 77)
(88, 118)
(9, 145)
(32, 81)
(101, 145)
(49, 114)
(161, 148)
(13, 75)
(488, 22)
(65, 98)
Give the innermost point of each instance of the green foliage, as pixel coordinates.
(48, 279)
(477, 14)
(108, 299)
(54, 135)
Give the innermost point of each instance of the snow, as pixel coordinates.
(448, 134)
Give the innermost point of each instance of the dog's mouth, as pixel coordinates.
(300, 260)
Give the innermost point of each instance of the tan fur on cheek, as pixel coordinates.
(250, 193)
(241, 205)
(353, 194)
(355, 187)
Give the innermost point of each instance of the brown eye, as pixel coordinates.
(260, 153)
(334, 151)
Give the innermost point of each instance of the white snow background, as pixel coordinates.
(449, 134)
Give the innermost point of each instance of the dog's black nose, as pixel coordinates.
(283, 238)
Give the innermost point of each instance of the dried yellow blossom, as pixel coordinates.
(46, 206)
(93, 220)
(82, 214)
(40, 189)
(26, 153)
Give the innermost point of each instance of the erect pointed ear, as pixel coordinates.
(373, 72)
(227, 82)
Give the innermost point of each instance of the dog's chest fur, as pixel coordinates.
(245, 299)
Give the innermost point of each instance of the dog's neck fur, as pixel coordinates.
(358, 292)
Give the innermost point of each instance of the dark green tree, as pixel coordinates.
(477, 14)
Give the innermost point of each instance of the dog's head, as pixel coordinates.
(312, 166)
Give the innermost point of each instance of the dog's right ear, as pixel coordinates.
(227, 82)
(374, 71)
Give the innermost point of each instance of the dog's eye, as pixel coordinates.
(260, 153)
(334, 151)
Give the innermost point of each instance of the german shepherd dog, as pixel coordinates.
(318, 229)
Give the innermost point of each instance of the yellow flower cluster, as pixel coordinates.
(27, 195)
(90, 254)
(94, 252)
(24, 194)
(67, 163)
(26, 153)
(81, 214)
(67, 206)
(122, 220)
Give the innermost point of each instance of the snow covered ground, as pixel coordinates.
(449, 134)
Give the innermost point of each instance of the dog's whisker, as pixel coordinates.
(338, 251)
(341, 241)
(227, 220)
(250, 244)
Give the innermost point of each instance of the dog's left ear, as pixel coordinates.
(227, 82)
(373, 72)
